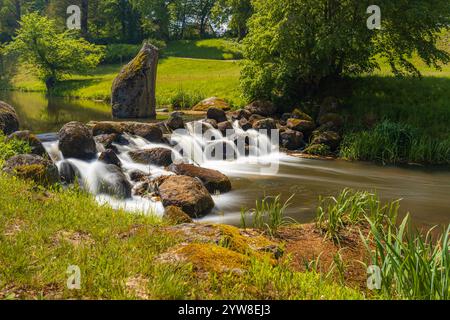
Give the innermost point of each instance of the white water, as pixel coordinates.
(189, 146)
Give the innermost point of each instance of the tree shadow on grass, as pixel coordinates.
(201, 50)
(422, 103)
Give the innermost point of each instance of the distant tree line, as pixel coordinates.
(132, 21)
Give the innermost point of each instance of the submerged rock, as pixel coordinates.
(213, 180)
(33, 167)
(155, 156)
(138, 175)
(32, 140)
(211, 102)
(133, 90)
(68, 172)
(9, 121)
(109, 157)
(187, 193)
(76, 141)
(114, 182)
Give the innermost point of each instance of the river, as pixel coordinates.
(425, 192)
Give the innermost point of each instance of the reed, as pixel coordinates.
(413, 265)
(351, 208)
(268, 214)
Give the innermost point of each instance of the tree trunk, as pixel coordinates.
(84, 18)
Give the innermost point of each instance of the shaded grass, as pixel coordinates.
(219, 49)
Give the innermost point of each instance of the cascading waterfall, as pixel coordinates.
(239, 153)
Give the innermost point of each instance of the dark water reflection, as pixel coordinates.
(39, 114)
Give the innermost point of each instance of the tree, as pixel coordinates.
(53, 54)
(234, 13)
(295, 46)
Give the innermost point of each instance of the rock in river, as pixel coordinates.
(213, 180)
(9, 122)
(155, 156)
(114, 182)
(187, 193)
(76, 141)
(133, 90)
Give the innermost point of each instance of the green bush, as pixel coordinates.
(11, 147)
(183, 99)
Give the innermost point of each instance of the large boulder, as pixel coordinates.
(216, 114)
(212, 102)
(187, 193)
(133, 90)
(263, 108)
(213, 180)
(149, 131)
(76, 141)
(114, 182)
(156, 156)
(34, 167)
(32, 140)
(9, 121)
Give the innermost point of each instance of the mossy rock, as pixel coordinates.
(9, 121)
(303, 126)
(329, 138)
(212, 102)
(175, 215)
(32, 167)
(207, 257)
(318, 150)
(299, 114)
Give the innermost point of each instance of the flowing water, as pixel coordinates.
(425, 192)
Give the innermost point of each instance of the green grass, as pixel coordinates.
(218, 49)
(43, 232)
(210, 77)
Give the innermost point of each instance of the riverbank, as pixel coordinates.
(122, 255)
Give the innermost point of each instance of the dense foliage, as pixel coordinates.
(133, 21)
(53, 53)
(294, 46)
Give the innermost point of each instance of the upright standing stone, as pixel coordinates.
(133, 90)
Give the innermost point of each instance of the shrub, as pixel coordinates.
(12, 147)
